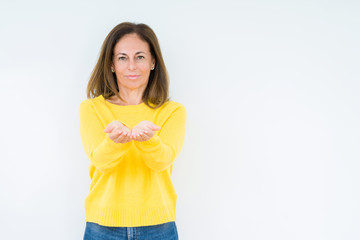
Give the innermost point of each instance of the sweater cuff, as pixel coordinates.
(110, 144)
(152, 142)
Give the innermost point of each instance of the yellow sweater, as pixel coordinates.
(130, 183)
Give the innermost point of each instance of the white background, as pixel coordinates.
(272, 94)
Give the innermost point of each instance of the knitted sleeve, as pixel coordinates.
(160, 151)
(104, 153)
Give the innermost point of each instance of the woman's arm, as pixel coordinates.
(104, 153)
(160, 151)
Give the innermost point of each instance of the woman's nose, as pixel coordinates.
(132, 65)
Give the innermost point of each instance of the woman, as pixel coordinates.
(132, 133)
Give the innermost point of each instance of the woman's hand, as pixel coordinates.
(144, 131)
(118, 132)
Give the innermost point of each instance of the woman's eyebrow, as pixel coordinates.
(126, 54)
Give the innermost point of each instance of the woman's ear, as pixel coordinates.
(112, 68)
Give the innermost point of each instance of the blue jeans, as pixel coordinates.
(164, 231)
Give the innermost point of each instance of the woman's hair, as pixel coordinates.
(103, 80)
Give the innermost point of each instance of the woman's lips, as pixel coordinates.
(132, 76)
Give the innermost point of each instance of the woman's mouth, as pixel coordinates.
(132, 76)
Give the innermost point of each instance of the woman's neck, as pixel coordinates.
(129, 98)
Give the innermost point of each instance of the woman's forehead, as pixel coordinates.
(131, 44)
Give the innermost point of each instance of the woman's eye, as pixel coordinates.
(140, 57)
(122, 58)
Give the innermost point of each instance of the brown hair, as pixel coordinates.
(103, 80)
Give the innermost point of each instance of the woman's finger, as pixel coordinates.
(113, 125)
(144, 138)
(108, 128)
(135, 136)
(123, 138)
(116, 134)
(153, 127)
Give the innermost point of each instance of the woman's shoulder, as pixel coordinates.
(90, 102)
(93, 100)
(172, 105)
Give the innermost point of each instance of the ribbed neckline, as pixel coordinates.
(133, 108)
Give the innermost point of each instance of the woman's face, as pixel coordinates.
(132, 62)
